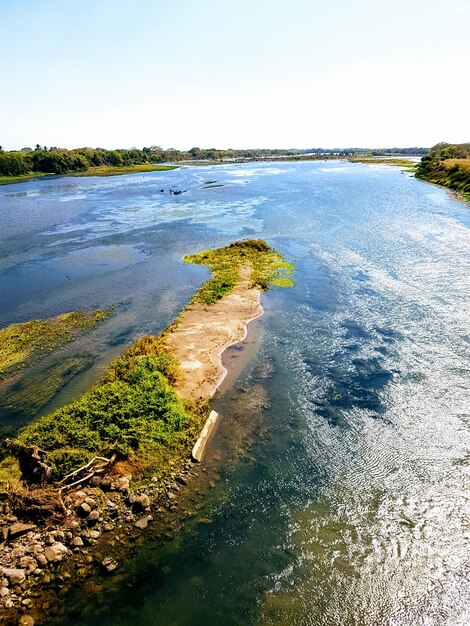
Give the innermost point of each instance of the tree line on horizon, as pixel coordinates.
(54, 160)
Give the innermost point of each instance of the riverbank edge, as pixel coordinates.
(98, 171)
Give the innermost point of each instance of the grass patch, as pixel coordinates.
(9, 180)
(21, 343)
(269, 268)
(107, 170)
(403, 163)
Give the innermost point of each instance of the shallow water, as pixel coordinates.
(342, 460)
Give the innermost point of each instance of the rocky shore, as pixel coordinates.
(40, 561)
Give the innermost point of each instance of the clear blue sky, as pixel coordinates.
(244, 73)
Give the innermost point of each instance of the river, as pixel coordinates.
(337, 489)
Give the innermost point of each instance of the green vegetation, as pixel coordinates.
(23, 342)
(447, 165)
(9, 180)
(269, 268)
(107, 170)
(398, 162)
(134, 410)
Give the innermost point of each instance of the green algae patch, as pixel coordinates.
(268, 269)
(21, 343)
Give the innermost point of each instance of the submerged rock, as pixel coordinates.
(109, 564)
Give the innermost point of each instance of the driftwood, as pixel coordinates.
(105, 463)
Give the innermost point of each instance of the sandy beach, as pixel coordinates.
(204, 332)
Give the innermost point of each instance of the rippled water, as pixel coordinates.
(341, 466)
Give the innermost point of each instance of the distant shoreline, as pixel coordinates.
(93, 171)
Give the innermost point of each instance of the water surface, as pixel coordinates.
(340, 470)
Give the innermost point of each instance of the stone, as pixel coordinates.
(122, 483)
(93, 517)
(26, 620)
(9, 604)
(94, 534)
(90, 501)
(144, 501)
(59, 535)
(15, 576)
(4, 591)
(5, 582)
(17, 552)
(77, 542)
(109, 564)
(106, 482)
(143, 522)
(15, 530)
(84, 510)
(28, 563)
(41, 559)
(27, 602)
(55, 552)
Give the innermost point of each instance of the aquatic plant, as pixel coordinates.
(20, 343)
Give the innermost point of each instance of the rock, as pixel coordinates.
(9, 604)
(122, 483)
(59, 535)
(27, 602)
(143, 522)
(41, 559)
(84, 510)
(19, 528)
(171, 496)
(90, 501)
(28, 563)
(108, 527)
(144, 501)
(77, 542)
(55, 552)
(93, 517)
(94, 534)
(109, 564)
(4, 591)
(17, 552)
(106, 482)
(15, 576)
(5, 582)
(26, 620)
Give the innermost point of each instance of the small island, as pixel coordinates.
(127, 439)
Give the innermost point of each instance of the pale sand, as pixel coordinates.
(204, 332)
